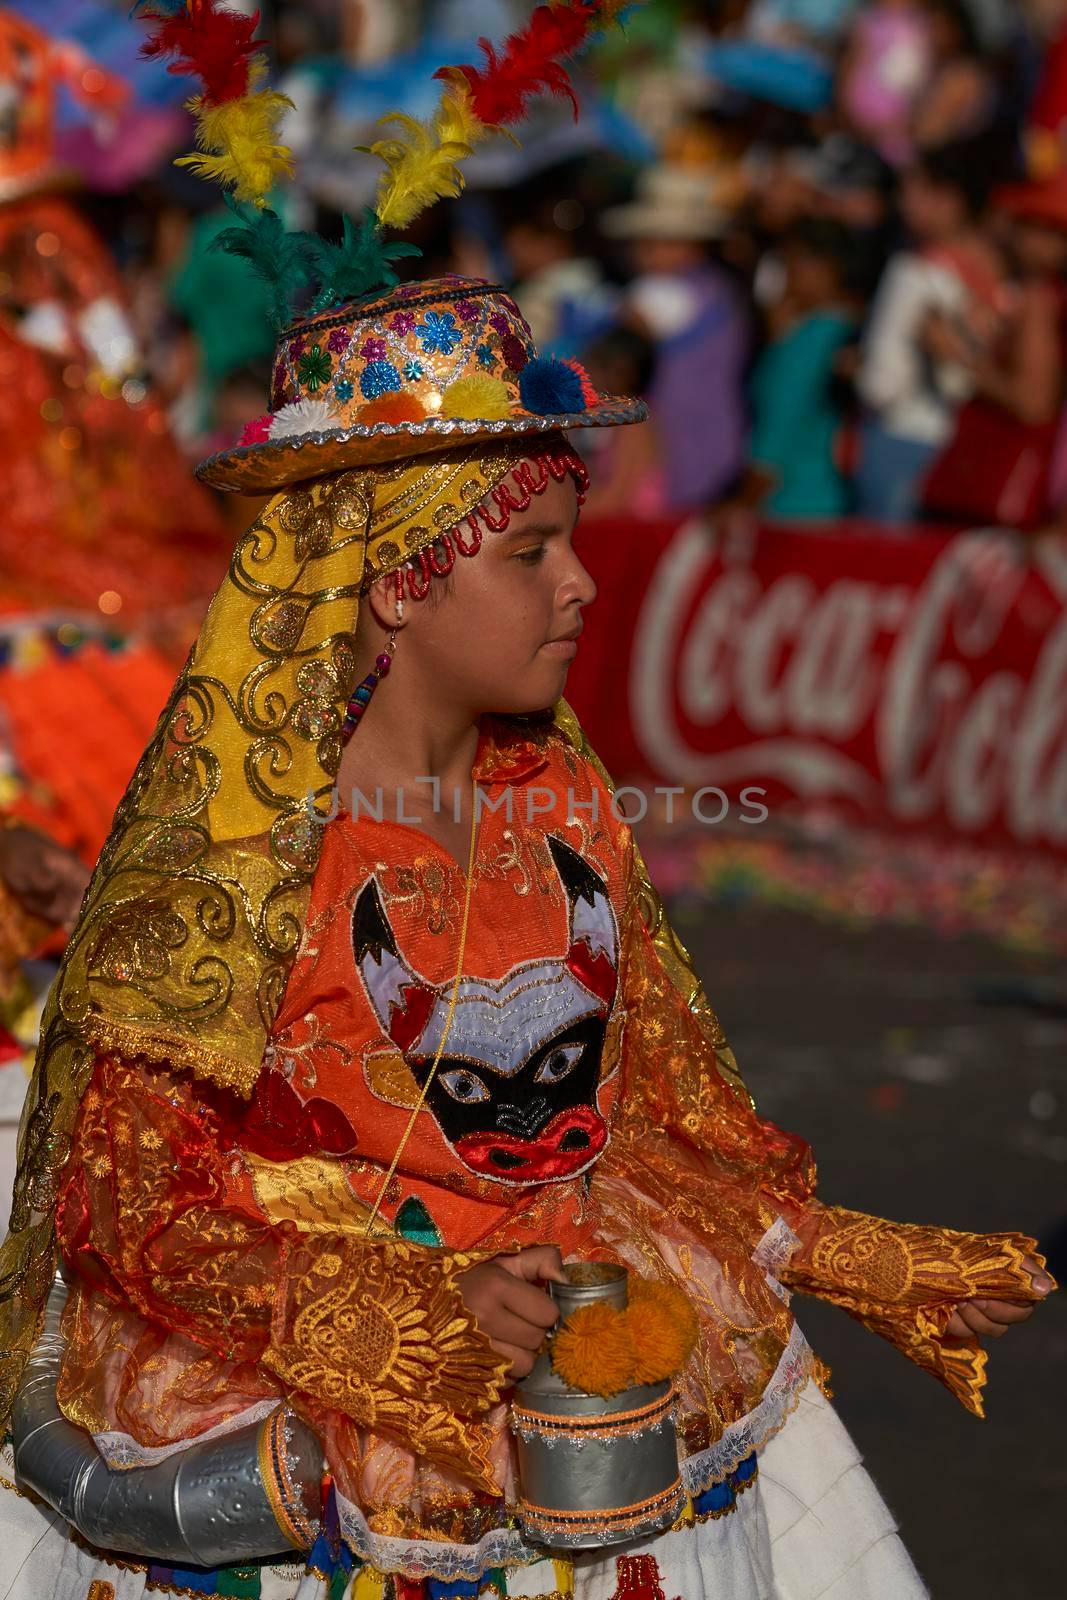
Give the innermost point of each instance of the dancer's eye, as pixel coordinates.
(556, 1065)
(531, 557)
(465, 1086)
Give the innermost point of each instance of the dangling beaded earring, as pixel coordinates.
(361, 694)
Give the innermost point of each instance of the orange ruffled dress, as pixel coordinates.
(587, 1097)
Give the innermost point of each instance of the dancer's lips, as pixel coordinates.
(565, 645)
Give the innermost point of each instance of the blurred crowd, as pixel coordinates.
(827, 240)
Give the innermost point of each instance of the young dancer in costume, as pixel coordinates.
(325, 1096)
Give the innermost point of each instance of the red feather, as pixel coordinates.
(528, 64)
(210, 44)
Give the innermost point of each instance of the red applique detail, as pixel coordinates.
(408, 1021)
(596, 972)
(279, 1125)
(538, 1160)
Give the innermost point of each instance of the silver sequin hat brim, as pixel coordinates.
(258, 468)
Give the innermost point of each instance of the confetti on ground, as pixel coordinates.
(863, 878)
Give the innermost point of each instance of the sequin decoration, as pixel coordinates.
(438, 333)
(379, 377)
(314, 369)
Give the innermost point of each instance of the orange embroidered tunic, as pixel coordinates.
(221, 1249)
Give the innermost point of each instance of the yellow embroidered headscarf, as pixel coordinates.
(192, 918)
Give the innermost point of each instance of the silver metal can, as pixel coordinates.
(594, 1471)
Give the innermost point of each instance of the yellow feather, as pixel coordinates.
(239, 146)
(454, 120)
(420, 168)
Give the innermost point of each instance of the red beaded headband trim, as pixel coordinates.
(532, 476)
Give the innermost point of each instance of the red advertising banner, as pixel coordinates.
(912, 679)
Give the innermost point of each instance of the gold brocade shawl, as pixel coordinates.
(193, 916)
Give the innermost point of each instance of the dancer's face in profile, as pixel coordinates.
(501, 632)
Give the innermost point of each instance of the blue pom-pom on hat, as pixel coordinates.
(550, 387)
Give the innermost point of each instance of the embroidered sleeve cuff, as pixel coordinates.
(904, 1282)
(380, 1332)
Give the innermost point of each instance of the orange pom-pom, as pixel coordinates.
(675, 1302)
(592, 1351)
(392, 408)
(659, 1344)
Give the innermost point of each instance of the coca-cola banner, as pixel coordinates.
(914, 679)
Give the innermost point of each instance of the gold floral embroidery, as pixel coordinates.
(387, 1340)
(426, 886)
(100, 1590)
(904, 1282)
(526, 854)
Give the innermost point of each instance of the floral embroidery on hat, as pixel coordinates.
(338, 340)
(514, 352)
(485, 355)
(413, 370)
(343, 390)
(373, 350)
(402, 323)
(314, 368)
(467, 309)
(438, 333)
(499, 323)
(297, 348)
(380, 377)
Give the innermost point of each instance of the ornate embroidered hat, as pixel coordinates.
(425, 365)
(368, 370)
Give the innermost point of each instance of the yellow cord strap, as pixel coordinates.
(421, 1101)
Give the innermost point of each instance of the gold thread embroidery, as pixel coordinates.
(389, 1342)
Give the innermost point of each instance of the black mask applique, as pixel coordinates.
(515, 1096)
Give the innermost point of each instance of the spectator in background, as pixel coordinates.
(687, 304)
(912, 393)
(1003, 464)
(797, 387)
(627, 465)
(559, 283)
(960, 99)
(886, 66)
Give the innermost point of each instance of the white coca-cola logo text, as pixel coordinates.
(806, 669)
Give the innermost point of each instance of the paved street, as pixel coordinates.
(931, 1092)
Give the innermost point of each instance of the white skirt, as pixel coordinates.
(810, 1526)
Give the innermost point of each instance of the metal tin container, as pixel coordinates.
(594, 1471)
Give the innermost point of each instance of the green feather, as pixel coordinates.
(282, 259)
(361, 265)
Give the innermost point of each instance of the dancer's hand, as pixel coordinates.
(509, 1307)
(991, 1319)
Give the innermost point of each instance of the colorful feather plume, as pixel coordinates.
(208, 43)
(238, 117)
(239, 146)
(282, 260)
(421, 166)
(529, 63)
(360, 265)
(423, 161)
